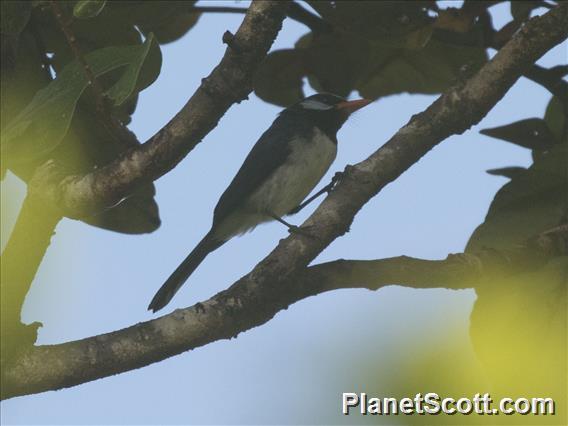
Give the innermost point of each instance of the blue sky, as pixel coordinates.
(293, 369)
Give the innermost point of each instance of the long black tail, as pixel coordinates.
(183, 271)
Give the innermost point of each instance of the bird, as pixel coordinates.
(283, 167)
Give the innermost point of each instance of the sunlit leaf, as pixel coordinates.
(88, 145)
(518, 330)
(44, 122)
(19, 84)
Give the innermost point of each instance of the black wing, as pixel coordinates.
(269, 152)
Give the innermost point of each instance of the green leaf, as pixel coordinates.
(142, 70)
(555, 118)
(532, 133)
(279, 78)
(532, 202)
(19, 84)
(331, 62)
(85, 9)
(43, 123)
(88, 145)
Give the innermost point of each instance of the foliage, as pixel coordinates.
(536, 199)
(58, 119)
(52, 109)
(43, 123)
(376, 48)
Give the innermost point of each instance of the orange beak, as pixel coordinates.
(351, 106)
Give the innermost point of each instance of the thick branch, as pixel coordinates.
(229, 82)
(230, 312)
(276, 281)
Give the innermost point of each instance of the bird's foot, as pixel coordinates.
(293, 229)
(325, 190)
(335, 180)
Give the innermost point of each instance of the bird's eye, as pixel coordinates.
(315, 105)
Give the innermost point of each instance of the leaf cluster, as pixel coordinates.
(377, 49)
(51, 68)
(535, 199)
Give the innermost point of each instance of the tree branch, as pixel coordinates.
(37, 220)
(456, 272)
(229, 82)
(276, 281)
(230, 312)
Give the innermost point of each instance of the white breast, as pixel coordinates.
(297, 177)
(286, 188)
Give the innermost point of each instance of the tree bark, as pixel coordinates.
(276, 281)
(230, 82)
(53, 195)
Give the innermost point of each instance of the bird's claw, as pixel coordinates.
(335, 180)
(298, 230)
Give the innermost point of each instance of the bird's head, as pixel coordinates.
(326, 110)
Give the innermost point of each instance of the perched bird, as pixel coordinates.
(283, 167)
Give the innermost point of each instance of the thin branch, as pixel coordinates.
(456, 272)
(230, 312)
(217, 9)
(276, 281)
